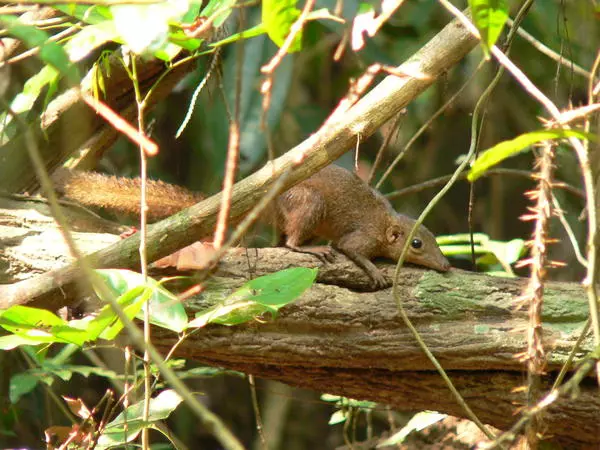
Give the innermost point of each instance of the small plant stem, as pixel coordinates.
(141, 106)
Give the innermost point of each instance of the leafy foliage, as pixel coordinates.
(266, 294)
(489, 17)
(127, 425)
(495, 257)
(506, 149)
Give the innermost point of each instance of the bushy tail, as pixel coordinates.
(122, 195)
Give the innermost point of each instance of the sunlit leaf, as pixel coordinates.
(13, 341)
(489, 17)
(90, 38)
(506, 149)
(280, 288)
(246, 34)
(127, 425)
(166, 310)
(131, 292)
(418, 422)
(91, 14)
(40, 325)
(338, 416)
(222, 7)
(145, 28)
(491, 253)
(277, 17)
(264, 294)
(50, 52)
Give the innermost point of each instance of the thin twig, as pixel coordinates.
(426, 125)
(463, 176)
(469, 412)
(141, 107)
(190, 111)
(233, 150)
(570, 234)
(393, 131)
(461, 401)
(255, 407)
(542, 48)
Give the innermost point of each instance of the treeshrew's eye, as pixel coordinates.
(416, 243)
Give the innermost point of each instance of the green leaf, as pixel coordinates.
(50, 52)
(39, 326)
(65, 371)
(418, 422)
(166, 310)
(506, 149)
(90, 38)
(278, 16)
(507, 252)
(128, 287)
(489, 17)
(264, 294)
(129, 423)
(226, 6)
(280, 288)
(145, 28)
(88, 14)
(459, 238)
(251, 32)
(20, 385)
(33, 87)
(338, 416)
(493, 252)
(12, 341)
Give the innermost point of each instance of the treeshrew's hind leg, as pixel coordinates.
(302, 210)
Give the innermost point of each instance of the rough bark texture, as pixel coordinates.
(341, 339)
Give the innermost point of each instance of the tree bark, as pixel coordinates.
(341, 339)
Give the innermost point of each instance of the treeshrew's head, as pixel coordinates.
(423, 249)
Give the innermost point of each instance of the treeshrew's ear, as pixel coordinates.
(393, 233)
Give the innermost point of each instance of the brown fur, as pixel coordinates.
(333, 204)
(122, 195)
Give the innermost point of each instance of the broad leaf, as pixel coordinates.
(20, 385)
(40, 326)
(489, 17)
(88, 14)
(418, 422)
(506, 149)
(277, 17)
(493, 254)
(128, 287)
(129, 423)
(49, 52)
(145, 28)
(264, 294)
(222, 7)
